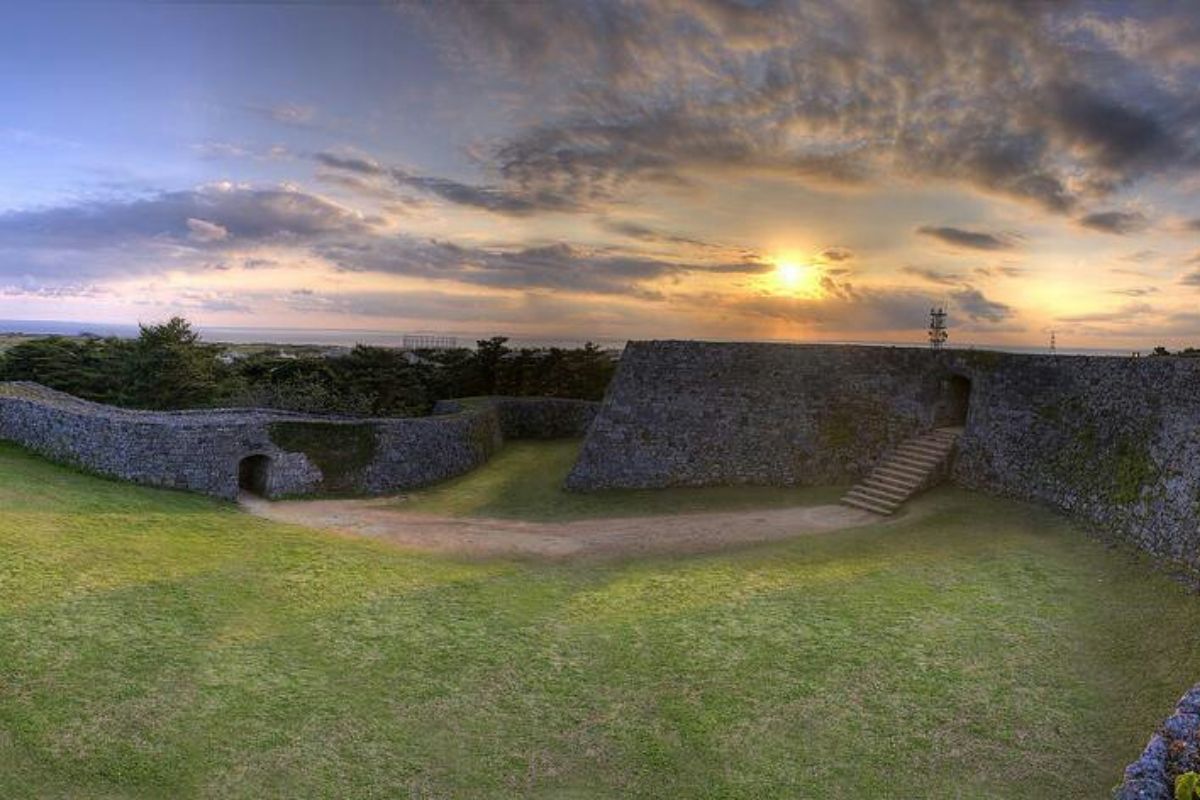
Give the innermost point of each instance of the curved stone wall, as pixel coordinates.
(1113, 441)
(202, 450)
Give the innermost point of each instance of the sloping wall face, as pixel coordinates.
(695, 414)
(1114, 441)
(201, 450)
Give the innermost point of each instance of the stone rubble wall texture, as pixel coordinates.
(1173, 750)
(698, 414)
(201, 450)
(1113, 441)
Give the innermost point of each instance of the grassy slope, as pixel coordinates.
(155, 644)
(524, 481)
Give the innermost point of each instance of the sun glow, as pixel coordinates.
(796, 277)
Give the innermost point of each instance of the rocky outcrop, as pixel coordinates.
(1173, 750)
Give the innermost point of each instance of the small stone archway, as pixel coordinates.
(957, 401)
(254, 474)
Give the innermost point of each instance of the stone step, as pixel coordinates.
(920, 463)
(899, 470)
(902, 472)
(865, 493)
(907, 490)
(922, 450)
(884, 490)
(867, 505)
(907, 484)
(926, 452)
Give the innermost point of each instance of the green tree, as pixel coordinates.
(383, 379)
(169, 367)
(87, 367)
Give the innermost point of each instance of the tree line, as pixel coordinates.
(168, 366)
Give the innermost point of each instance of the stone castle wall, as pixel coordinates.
(201, 450)
(1113, 441)
(697, 413)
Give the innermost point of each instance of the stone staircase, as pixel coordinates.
(905, 471)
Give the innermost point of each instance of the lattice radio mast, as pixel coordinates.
(937, 327)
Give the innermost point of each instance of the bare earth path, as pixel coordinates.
(678, 533)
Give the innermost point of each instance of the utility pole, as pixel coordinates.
(937, 327)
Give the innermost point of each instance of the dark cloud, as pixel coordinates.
(515, 202)
(1028, 100)
(1191, 279)
(1193, 224)
(488, 198)
(978, 308)
(363, 166)
(213, 215)
(1007, 270)
(837, 254)
(556, 266)
(974, 240)
(934, 276)
(1116, 138)
(1116, 222)
(642, 233)
(1136, 291)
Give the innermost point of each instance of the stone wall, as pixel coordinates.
(1113, 441)
(202, 450)
(696, 413)
(1173, 750)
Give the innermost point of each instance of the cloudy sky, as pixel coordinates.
(809, 170)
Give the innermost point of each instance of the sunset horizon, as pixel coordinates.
(609, 171)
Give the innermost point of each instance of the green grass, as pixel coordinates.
(156, 644)
(524, 481)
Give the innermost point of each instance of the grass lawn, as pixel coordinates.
(157, 644)
(524, 481)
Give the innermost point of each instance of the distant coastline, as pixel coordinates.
(348, 338)
(293, 336)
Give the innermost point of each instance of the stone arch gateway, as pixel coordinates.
(254, 474)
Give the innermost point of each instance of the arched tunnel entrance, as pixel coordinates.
(958, 401)
(253, 474)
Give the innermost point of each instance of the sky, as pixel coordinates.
(817, 170)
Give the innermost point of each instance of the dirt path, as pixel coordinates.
(679, 533)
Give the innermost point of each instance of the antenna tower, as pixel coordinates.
(937, 327)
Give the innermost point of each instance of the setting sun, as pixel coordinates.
(796, 277)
